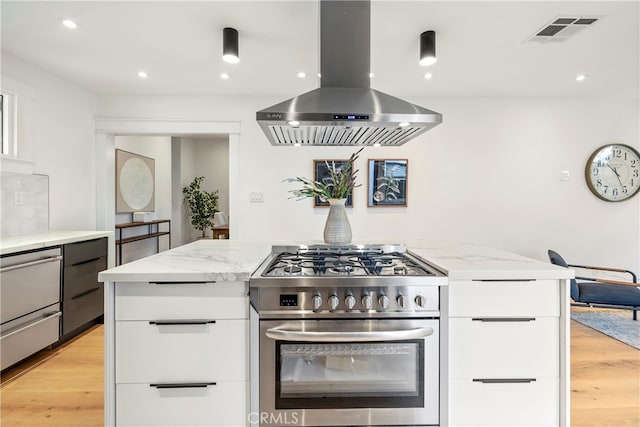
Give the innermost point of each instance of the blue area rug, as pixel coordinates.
(617, 324)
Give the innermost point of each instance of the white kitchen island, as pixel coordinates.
(177, 336)
(504, 331)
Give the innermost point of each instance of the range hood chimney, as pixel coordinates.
(344, 110)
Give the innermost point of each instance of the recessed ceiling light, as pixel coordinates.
(319, 75)
(142, 74)
(297, 144)
(580, 77)
(69, 23)
(224, 76)
(371, 75)
(302, 74)
(294, 123)
(428, 76)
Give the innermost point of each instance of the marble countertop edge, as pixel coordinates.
(27, 242)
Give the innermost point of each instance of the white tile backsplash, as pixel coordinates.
(24, 204)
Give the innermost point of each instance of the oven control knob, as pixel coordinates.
(421, 301)
(366, 302)
(333, 302)
(317, 301)
(383, 301)
(401, 300)
(350, 302)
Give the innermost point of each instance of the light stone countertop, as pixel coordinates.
(26, 242)
(232, 260)
(468, 261)
(203, 260)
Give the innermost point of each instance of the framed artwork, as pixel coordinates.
(321, 173)
(387, 182)
(135, 183)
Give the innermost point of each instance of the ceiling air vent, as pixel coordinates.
(562, 28)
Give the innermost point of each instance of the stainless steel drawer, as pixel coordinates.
(29, 282)
(26, 335)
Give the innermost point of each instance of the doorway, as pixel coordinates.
(192, 131)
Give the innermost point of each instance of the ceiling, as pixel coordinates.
(481, 46)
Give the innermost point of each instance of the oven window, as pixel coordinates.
(350, 375)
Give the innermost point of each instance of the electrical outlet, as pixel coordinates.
(18, 198)
(256, 197)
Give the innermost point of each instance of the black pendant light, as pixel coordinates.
(230, 50)
(428, 48)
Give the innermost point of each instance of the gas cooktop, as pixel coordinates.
(345, 261)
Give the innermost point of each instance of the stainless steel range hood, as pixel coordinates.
(345, 110)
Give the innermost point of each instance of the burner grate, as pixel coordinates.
(329, 262)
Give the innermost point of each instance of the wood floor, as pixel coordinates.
(61, 387)
(64, 387)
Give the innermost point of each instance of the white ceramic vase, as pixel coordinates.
(337, 230)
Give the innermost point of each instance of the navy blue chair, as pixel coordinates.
(596, 292)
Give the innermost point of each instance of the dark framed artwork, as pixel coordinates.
(321, 174)
(135, 182)
(387, 182)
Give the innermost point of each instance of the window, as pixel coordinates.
(8, 124)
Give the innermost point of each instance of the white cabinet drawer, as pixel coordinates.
(151, 301)
(223, 404)
(475, 403)
(504, 347)
(160, 352)
(504, 298)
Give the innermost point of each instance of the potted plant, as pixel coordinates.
(202, 205)
(334, 188)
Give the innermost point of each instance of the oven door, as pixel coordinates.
(349, 372)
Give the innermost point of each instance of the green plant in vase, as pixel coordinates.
(334, 188)
(201, 205)
(339, 184)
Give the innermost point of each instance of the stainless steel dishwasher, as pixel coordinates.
(29, 303)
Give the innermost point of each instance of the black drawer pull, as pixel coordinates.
(85, 262)
(503, 380)
(182, 385)
(180, 322)
(204, 282)
(503, 319)
(85, 293)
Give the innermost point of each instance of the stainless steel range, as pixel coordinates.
(347, 336)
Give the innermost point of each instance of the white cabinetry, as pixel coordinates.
(503, 353)
(181, 354)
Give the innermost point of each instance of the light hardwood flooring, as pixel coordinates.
(64, 386)
(61, 387)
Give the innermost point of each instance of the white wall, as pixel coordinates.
(159, 149)
(488, 174)
(60, 143)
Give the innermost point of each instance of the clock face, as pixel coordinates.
(613, 172)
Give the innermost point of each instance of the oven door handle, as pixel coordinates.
(351, 336)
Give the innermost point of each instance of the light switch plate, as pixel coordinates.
(256, 197)
(18, 198)
(564, 175)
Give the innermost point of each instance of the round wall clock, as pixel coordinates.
(613, 172)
